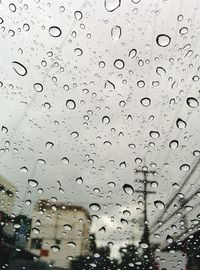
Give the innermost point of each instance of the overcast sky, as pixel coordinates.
(129, 71)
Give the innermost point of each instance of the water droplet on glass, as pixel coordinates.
(163, 40)
(95, 207)
(111, 5)
(119, 64)
(196, 153)
(67, 227)
(105, 120)
(109, 86)
(116, 32)
(145, 101)
(140, 84)
(78, 15)
(192, 102)
(19, 68)
(185, 167)
(128, 189)
(78, 52)
(159, 204)
(49, 145)
(154, 134)
(175, 185)
(169, 239)
(74, 134)
(38, 87)
(55, 249)
(79, 180)
(183, 30)
(122, 165)
(65, 160)
(160, 71)
(4, 129)
(55, 31)
(32, 182)
(131, 145)
(12, 7)
(132, 53)
(111, 184)
(173, 144)
(71, 244)
(70, 103)
(180, 123)
(24, 169)
(35, 230)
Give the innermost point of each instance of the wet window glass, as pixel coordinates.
(99, 134)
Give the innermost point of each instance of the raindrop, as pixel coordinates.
(79, 180)
(24, 169)
(180, 18)
(183, 30)
(196, 153)
(185, 167)
(145, 101)
(67, 227)
(169, 239)
(180, 123)
(192, 102)
(71, 244)
(55, 31)
(119, 64)
(111, 184)
(78, 52)
(70, 103)
(49, 145)
(95, 207)
(35, 230)
(175, 185)
(122, 103)
(154, 184)
(26, 27)
(55, 249)
(116, 32)
(65, 160)
(32, 182)
(131, 145)
(109, 86)
(105, 120)
(41, 161)
(141, 84)
(173, 144)
(111, 5)
(154, 134)
(78, 15)
(19, 68)
(4, 129)
(160, 71)
(38, 87)
(159, 204)
(128, 189)
(144, 245)
(12, 7)
(163, 40)
(74, 134)
(122, 165)
(132, 53)
(195, 78)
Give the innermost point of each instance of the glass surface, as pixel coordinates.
(99, 134)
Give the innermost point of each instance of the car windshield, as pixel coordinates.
(100, 134)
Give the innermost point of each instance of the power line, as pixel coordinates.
(174, 196)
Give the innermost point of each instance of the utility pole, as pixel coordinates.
(145, 242)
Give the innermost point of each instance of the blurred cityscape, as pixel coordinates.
(58, 237)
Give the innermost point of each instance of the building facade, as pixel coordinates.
(59, 232)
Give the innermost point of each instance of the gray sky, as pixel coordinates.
(80, 65)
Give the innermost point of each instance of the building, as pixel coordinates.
(59, 232)
(7, 196)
